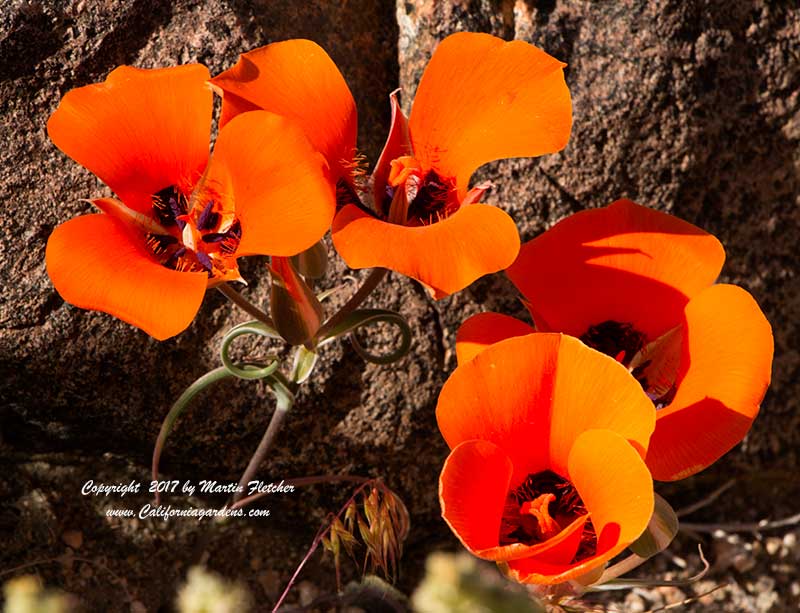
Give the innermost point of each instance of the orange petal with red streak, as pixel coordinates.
(282, 195)
(447, 255)
(297, 79)
(484, 329)
(482, 99)
(95, 262)
(624, 262)
(726, 365)
(140, 130)
(472, 489)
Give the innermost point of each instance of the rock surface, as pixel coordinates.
(692, 107)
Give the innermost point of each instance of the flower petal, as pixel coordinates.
(139, 131)
(398, 144)
(614, 484)
(592, 391)
(727, 360)
(448, 255)
(233, 105)
(484, 329)
(503, 395)
(534, 395)
(623, 262)
(616, 488)
(482, 99)
(297, 79)
(472, 491)
(283, 197)
(96, 262)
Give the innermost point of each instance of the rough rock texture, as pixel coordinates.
(688, 106)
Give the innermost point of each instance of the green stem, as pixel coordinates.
(625, 565)
(244, 304)
(284, 393)
(609, 579)
(177, 409)
(375, 276)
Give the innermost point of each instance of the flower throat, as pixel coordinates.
(200, 240)
(541, 507)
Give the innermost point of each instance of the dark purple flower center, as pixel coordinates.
(201, 240)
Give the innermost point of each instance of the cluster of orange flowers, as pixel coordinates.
(639, 366)
(285, 169)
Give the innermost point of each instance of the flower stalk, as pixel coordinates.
(372, 281)
(285, 399)
(244, 304)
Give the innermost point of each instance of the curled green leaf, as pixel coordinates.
(365, 317)
(178, 408)
(248, 370)
(609, 581)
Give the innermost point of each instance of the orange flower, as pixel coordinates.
(480, 99)
(182, 219)
(638, 285)
(546, 472)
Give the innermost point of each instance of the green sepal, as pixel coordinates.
(313, 262)
(660, 531)
(304, 362)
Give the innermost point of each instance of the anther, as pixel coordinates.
(204, 260)
(208, 218)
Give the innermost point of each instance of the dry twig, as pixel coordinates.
(759, 526)
(704, 502)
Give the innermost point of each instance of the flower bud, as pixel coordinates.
(313, 262)
(295, 310)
